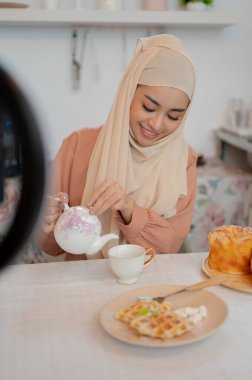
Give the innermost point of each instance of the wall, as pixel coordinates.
(41, 60)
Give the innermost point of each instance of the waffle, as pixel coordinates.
(160, 320)
(164, 326)
(142, 308)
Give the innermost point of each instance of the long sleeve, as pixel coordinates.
(68, 174)
(149, 229)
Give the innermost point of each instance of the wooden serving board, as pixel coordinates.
(241, 282)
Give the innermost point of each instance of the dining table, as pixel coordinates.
(50, 325)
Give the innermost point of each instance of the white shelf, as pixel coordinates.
(239, 142)
(125, 18)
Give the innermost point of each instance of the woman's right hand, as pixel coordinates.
(53, 208)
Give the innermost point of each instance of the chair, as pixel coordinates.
(224, 197)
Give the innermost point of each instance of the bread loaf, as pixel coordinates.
(230, 249)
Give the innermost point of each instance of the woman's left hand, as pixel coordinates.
(110, 195)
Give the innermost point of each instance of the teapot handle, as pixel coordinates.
(66, 205)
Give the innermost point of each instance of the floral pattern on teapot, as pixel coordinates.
(77, 220)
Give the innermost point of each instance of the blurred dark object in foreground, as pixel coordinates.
(22, 168)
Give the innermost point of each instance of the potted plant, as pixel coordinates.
(193, 5)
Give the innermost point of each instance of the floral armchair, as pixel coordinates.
(224, 197)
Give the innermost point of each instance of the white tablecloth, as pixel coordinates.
(50, 329)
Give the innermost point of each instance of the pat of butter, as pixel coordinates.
(192, 314)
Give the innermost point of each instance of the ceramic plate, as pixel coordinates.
(216, 308)
(6, 4)
(241, 282)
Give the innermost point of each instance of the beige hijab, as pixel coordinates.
(154, 176)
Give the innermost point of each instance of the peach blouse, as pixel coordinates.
(147, 228)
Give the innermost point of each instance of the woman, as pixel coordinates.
(136, 173)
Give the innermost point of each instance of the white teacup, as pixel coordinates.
(128, 260)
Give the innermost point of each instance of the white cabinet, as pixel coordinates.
(124, 18)
(235, 150)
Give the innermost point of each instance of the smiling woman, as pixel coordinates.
(156, 112)
(136, 172)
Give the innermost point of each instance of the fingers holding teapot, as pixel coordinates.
(53, 208)
(63, 197)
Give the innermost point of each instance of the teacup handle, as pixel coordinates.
(153, 254)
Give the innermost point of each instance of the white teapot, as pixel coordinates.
(77, 232)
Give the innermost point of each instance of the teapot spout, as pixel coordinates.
(99, 243)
